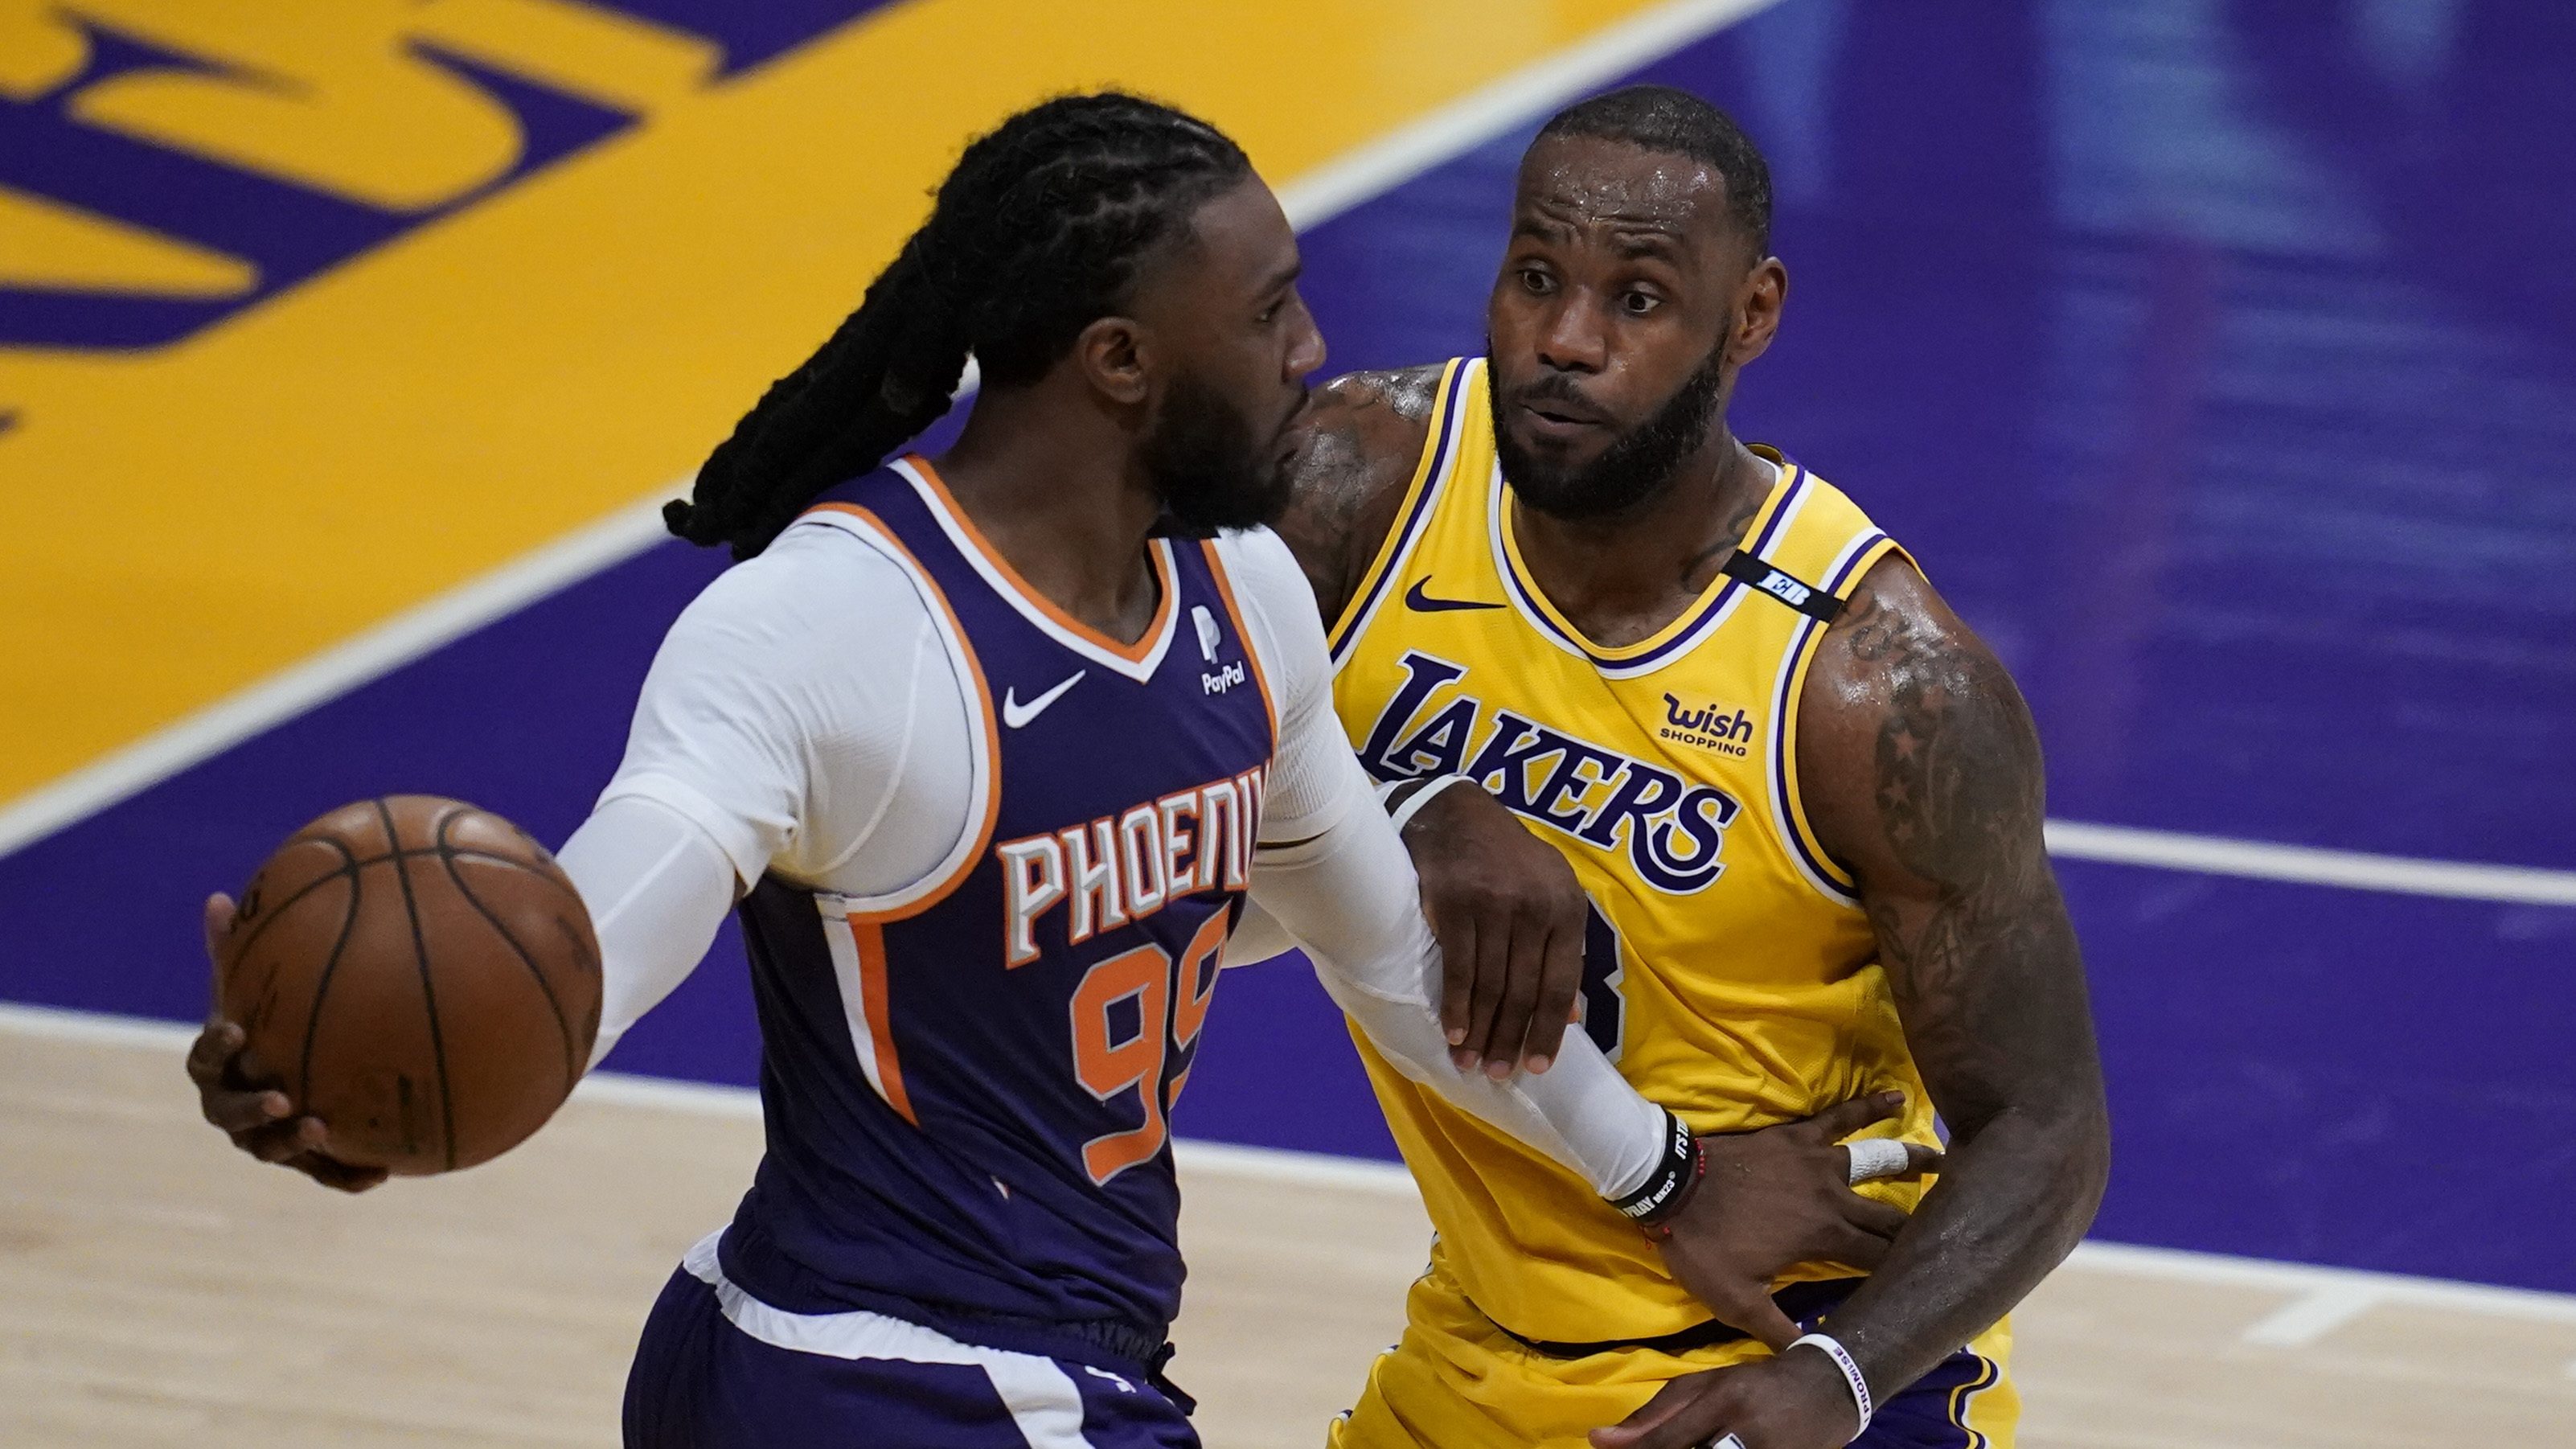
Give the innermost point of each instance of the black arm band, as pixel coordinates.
(1664, 1189)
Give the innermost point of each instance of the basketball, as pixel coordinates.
(420, 975)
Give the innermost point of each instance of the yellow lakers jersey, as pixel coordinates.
(1729, 969)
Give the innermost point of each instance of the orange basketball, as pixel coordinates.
(421, 975)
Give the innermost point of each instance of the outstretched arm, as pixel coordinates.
(1921, 772)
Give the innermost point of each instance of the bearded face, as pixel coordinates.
(1208, 462)
(1639, 460)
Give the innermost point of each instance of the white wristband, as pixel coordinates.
(1412, 806)
(1833, 1349)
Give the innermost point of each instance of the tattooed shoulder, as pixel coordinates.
(1369, 431)
(1923, 774)
(1917, 754)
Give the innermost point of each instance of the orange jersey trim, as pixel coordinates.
(983, 828)
(1135, 653)
(870, 940)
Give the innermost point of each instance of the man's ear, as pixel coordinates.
(1757, 317)
(1113, 355)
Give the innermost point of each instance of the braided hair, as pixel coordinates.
(1037, 233)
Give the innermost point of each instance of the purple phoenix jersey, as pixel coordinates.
(966, 1090)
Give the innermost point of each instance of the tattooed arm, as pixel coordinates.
(1921, 772)
(1370, 429)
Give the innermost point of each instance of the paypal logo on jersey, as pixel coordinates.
(1671, 830)
(1224, 676)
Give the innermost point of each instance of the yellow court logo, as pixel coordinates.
(165, 164)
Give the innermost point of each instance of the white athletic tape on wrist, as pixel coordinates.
(1876, 1157)
(1403, 814)
(1832, 1348)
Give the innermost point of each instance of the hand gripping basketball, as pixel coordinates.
(239, 1096)
(409, 985)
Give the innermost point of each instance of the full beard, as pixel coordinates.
(1212, 473)
(1637, 464)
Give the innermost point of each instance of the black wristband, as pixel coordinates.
(1664, 1189)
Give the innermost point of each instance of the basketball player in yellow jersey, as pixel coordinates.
(1804, 800)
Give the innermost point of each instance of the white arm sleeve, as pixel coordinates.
(657, 887)
(1346, 888)
(1257, 937)
(801, 716)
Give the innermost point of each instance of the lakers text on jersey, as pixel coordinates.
(1729, 969)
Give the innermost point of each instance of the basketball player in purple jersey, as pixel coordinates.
(991, 753)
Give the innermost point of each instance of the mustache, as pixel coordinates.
(1556, 387)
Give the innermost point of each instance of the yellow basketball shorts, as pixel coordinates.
(1458, 1382)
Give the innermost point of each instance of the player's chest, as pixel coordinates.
(1653, 779)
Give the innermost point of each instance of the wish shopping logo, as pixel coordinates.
(1708, 726)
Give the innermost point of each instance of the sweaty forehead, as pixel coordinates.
(1589, 183)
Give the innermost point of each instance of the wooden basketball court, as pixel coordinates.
(156, 1289)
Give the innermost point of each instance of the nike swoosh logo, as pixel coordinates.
(1016, 714)
(1422, 603)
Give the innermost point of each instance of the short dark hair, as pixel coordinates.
(1661, 118)
(1037, 233)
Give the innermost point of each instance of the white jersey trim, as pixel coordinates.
(1039, 1394)
(1780, 743)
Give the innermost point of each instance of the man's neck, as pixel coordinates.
(1618, 580)
(1056, 487)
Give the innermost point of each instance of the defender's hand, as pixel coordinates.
(1795, 1401)
(1776, 1198)
(244, 1101)
(1510, 915)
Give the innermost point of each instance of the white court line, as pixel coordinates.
(2311, 1316)
(2306, 1283)
(1357, 176)
(2310, 865)
(335, 671)
(1336, 186)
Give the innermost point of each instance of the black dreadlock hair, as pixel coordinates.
(1661, 118)
(1035, 235)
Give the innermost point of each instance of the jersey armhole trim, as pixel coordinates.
(1850, 566)
(984, 802)
(1242, 631)
(1421, 496)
